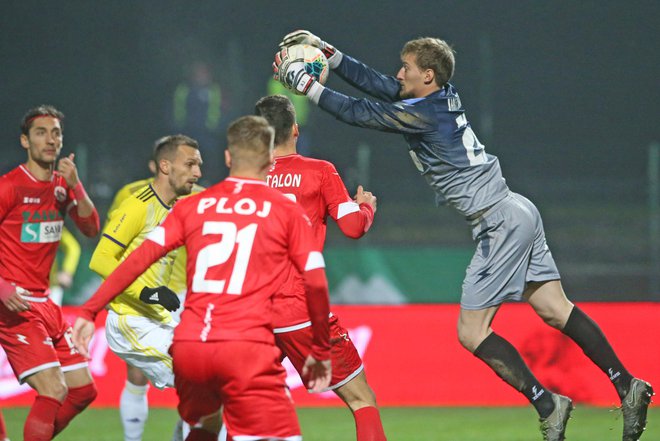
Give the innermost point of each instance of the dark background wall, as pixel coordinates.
(565, 93)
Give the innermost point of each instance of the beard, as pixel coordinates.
(403, 94)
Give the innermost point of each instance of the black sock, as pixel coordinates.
(507, 363)
(587, 334)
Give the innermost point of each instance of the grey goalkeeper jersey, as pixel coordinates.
(441, 142)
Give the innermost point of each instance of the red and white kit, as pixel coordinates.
(241, 238)
(318, 188)
(31, 220)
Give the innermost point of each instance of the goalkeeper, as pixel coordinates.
(512, 260)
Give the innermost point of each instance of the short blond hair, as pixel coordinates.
(250, 141)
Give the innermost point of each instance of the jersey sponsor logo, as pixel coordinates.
(60, 193)
(48, 341)
(41, 215)
(244, 206)
(22, 339)
(284, 180)
(41, 232)
(29, 200)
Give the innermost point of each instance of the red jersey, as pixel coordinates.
(317, 187)
(241, 238)
(31, 219)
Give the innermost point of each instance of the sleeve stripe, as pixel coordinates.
(114, 240)
(314, 261)
(347, 208)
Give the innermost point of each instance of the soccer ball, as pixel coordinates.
(315, 62)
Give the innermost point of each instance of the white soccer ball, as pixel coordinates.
(316, 64)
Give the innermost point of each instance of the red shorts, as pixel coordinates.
(243, 376)
(346, 362)
(38, 339)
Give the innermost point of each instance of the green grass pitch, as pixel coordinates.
(401, 424)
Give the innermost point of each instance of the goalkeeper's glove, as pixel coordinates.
(305, 37)
(160, 295)
(289, 69)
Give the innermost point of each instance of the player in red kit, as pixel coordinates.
(241, 238)
(317, 187)
(34, 198)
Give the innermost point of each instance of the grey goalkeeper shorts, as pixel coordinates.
(511, 251)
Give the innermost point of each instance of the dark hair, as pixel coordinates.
(165, 147)
(36, 112)
(250, 141)
(434, 54)
(280, 114)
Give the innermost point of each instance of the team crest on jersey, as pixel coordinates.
(60, 193)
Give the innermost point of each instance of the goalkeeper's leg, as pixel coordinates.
(476, 335)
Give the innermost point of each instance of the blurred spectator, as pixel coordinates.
(199, 111)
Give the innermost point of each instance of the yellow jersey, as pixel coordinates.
(126, 191)
(127, 227)
(178, 278)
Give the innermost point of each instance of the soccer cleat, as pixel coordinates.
(553, 427)
(634, 407)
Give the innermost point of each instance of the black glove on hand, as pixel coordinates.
(161, 295)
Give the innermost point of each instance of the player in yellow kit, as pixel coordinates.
(64, 268)
(139, 324)
(178, 278)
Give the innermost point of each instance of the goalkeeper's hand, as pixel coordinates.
(161, 295)
(289, 69)
(305, 37)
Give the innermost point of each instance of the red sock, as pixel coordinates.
(368, 425)
(201, 435)
(3, 428)
(76, 401)
(40, 422)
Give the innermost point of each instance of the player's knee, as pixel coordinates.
(55, 390)
(468, 338)
(555, 317)
(81, 397)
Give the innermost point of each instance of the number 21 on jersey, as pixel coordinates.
(218, 253)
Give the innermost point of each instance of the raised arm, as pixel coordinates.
(398, 117)
(355, 73)
(82, 211)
